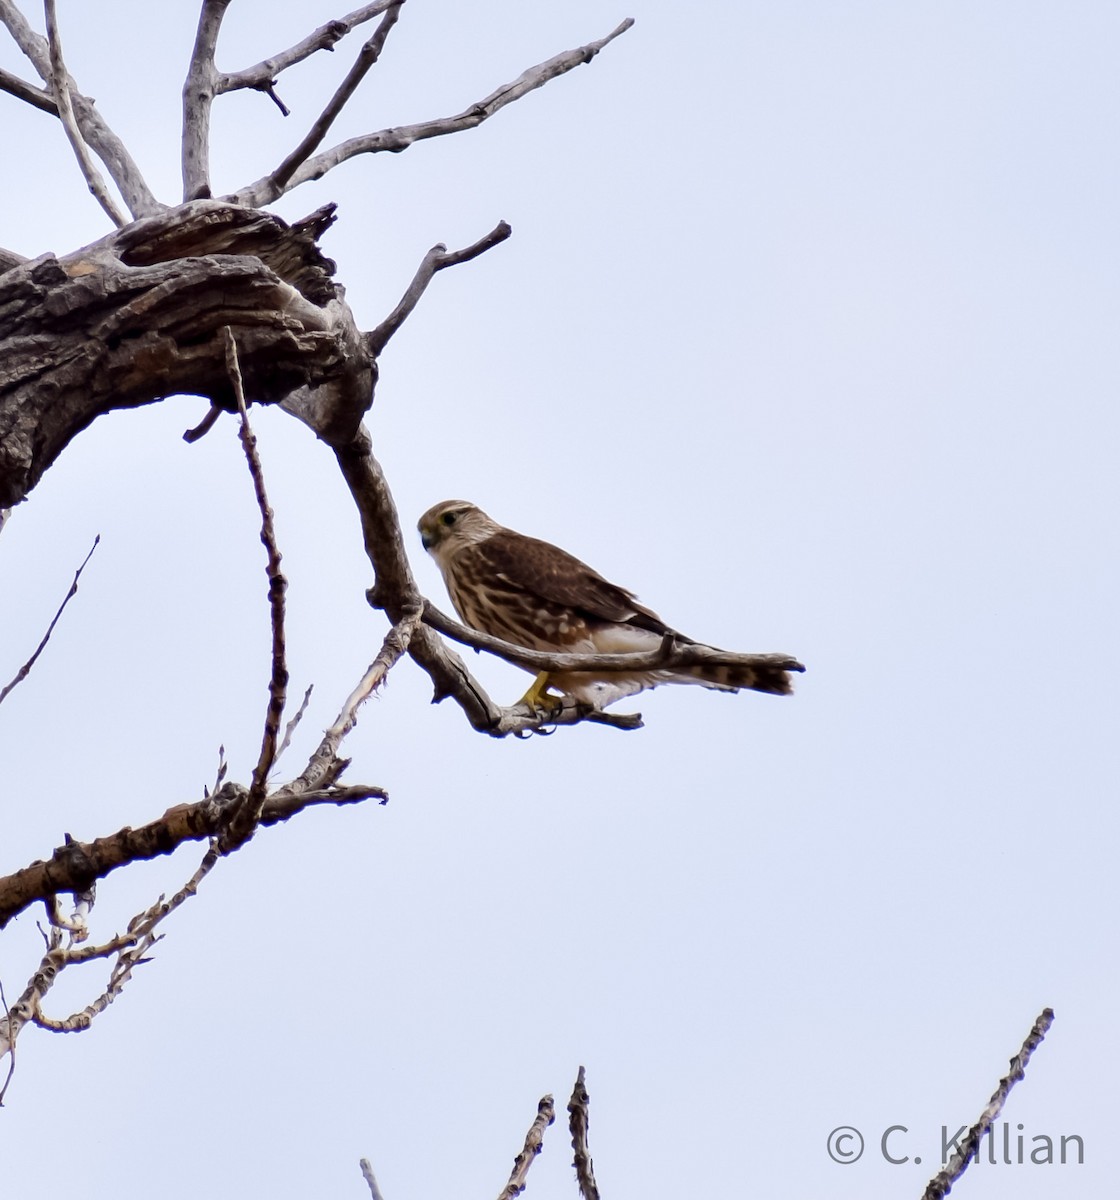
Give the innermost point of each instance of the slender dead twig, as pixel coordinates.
(367, 56)
(25, 670)
(669, 654)
(324, 765)
(263, 74)
(293, 724)
(199, 89)
(942, 1183)
(534, 1141)
(579, 1123)
(437, 258)
(266, 189)
(61, 84)
(371, 1182)
(245, 819)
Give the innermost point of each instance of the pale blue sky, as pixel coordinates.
(806, 333)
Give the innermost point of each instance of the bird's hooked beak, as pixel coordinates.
(427, 538)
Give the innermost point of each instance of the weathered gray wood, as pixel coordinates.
(102, 140)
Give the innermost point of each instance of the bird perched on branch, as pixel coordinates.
(536, 595)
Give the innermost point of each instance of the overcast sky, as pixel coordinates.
(807, 334)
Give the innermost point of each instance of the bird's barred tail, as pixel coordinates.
(731, 678)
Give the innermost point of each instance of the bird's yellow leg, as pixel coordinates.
(538, 695)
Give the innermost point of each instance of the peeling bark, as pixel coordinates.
(138, 316)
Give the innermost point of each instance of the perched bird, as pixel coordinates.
(536, 595)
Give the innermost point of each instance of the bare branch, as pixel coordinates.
(61, 88)
(36, 97)
(245, 819)
(199, 89)
(293, 724)
(105, 143)
(367, 1175)
(266, 190)
(942, 1183)
(367, 56)
(435, 260)
(263, 75)
(579, 1123)
(534, 1140)
(25, 670)
(669, 654)
(324, 763)
(130, 949)
(73, 866)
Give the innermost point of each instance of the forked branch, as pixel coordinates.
(94, 131)
(437, 258)
(263, 75)
(75, 865)
(266, 190)
(367, 56)
(60, 82)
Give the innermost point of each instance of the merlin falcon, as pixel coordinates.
(536, 595)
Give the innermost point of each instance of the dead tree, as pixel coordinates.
(216, 297)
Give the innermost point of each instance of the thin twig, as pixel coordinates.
(69, 121)
(942, 1183)
(293, 724)
(534, 1140)
(324, 765)
(266, 190)
(435, 260)
(367, 56)
(264, 73)
(245, 820)
(371, 1182)
(579, 1123)
(23, 672)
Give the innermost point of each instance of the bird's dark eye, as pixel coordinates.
(448, 518)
